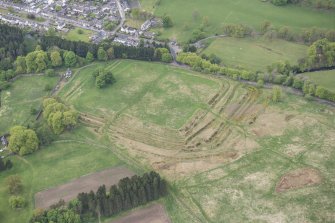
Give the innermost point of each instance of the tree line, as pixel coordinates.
(11, 45)
(106, 202)
(321, 55)
(318, 4)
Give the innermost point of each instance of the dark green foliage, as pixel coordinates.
(129, 193)
(279, 2)
(167, 21)
(103, 78)
(11, 45)
(57, 215)
(5, 165)
(237, 30)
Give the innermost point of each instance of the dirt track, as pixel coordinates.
(152, 214)
(70, 190)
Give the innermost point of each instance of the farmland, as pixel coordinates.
(20, 98)
(220, 12)
(255, 54)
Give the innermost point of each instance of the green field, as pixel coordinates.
(323, 78)
(24, 94)
(255, 54)
(75, 36)
(72, 156)
(141, 89)
(248, 12)
(222, 145)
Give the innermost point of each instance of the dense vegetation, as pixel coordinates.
(318, 4)
(58, 116)
(129, 193)
(23, 141)
(321, 54)
(11, 45)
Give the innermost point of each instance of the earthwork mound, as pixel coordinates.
(298, 179)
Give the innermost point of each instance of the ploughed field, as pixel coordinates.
(228, 152)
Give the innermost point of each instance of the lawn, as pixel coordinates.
(152, 92)
(54, 165)
(75, 36)
(255, 54)
(24, 94)
(248, 12)
(323, 78)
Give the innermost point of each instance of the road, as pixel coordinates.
(123, 17)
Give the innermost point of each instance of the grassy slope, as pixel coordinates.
(243, 191)
(255, 54)
(60, 162)
(249, 12)
(75, 36)
(152, 92)
(24, 94)
(323, 78)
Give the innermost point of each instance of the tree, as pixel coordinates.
(20, 65)
(89, 56)
(167, 58)
(70, 58)
(50, 73)
(110, 53)
(58, 116)
(14, 184)
(102, 54)
(276, 94)
(167, 21)
(16, 202)
(56, 59)
(22, 141)
(41, 60)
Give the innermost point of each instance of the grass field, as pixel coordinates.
(60, 162)
(24, 94)
(220, 12)
(224, 148)
(75, 36)
(151, 92)
(255, 54)
(323, 78)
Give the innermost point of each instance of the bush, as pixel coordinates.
(276, 94)
(16, 202)
(14, 184)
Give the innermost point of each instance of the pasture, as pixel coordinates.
(26, 93)
(228, 153)
(255, 54)
(188, 15)
(235, 157)
(323, 78)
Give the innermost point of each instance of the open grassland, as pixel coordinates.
(75, 154)
(75, 36)
(152, 92)
(239, 158)
(229, 154)
(248, 12)
(323, 78)
(17, 101)
(255, 54)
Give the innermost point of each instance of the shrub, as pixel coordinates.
(14, 184)
(16, 202)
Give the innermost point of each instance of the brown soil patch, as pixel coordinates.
(298, 179)
(153, 214)
(67, 192)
